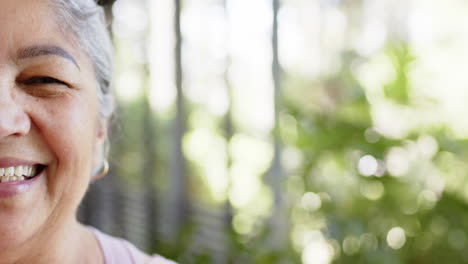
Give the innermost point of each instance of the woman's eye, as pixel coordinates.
(43, 80)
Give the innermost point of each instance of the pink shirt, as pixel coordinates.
(120, 251)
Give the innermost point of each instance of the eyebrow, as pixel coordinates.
(45, 50)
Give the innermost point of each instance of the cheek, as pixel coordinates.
(68, 127)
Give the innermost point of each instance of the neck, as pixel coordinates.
(70, 243)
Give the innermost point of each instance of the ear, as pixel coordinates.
(99, 149)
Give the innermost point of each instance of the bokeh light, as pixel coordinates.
(396, 238)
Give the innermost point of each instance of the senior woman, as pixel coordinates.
(55, 71)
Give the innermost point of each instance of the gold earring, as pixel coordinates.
(104, 169)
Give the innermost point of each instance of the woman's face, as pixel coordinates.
(48, 122)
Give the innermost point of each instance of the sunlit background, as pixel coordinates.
(292, 131)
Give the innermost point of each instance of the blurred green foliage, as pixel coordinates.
(427, 201)
(367, 178)
(357, 212)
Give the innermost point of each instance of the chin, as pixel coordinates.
(23, 212)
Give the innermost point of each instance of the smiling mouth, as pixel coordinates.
(20, 173)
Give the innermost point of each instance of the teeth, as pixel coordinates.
(6, 179)
(17, 173)
(10, 171)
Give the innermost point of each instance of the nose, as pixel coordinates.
(14, 121)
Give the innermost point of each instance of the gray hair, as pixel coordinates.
(86, 21)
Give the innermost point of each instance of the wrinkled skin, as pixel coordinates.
(52, 121)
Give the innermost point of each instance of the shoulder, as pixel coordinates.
(120, 251)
